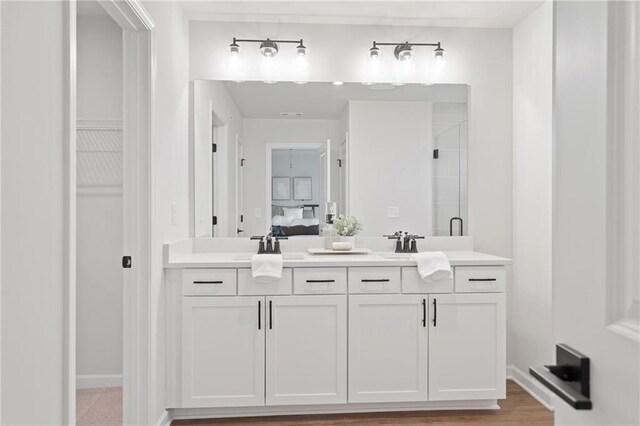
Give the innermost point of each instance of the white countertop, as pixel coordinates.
(243, 260)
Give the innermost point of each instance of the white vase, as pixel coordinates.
(349, 239)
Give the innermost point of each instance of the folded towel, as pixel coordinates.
(433, 265)
(266, 268)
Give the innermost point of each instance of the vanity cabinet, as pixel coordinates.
(467, 348)
(387, 348)
(222, 351)
(335, 338)
(306, 350)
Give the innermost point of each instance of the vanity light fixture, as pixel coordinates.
(269, 48)
(404, 51)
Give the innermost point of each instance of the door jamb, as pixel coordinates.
(139, 71)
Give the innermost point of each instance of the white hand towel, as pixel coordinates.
(266, 268)
(433, 265)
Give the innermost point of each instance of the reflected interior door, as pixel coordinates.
(239, 187)
(343, 207)
(325, 178)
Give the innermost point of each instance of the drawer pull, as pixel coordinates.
(482, 279)
(259, 314)
(208, 282)
(424, 312)
(320, 281)
(270, 315)
(382, 280)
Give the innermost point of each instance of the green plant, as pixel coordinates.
(347, 226)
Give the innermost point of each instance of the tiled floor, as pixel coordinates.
(104, 407)
(101, 406)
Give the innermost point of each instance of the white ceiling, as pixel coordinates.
(443, 13)
(326, 101)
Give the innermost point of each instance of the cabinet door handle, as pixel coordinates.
(259, 314)
(369, 280)
(321, 281)
(208, 282)
(270, 315)
(482, 279)
(424, 312)
(435, 312)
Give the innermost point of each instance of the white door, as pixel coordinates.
(222, 351)
(387, 348)
(467, 346)
(307, 350)
(596, 186)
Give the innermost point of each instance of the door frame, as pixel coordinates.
(268, 168)
(139, 70)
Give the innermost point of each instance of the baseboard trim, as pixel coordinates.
(274, 410)
(543, 395)
(165, 419)
(89, 381)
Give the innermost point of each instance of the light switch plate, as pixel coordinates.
(393, 212)
(258, 212)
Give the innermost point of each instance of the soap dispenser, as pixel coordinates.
(329, 231)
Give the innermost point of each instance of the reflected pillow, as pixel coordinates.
(295, 213)
(281, 220)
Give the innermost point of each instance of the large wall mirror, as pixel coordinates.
(394, 156)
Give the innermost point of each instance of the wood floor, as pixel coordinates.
(97, 407)
(519, 408)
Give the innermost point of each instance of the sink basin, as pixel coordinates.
(285, 256)
(400, 256)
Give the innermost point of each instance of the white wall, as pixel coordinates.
(32, 213)
(99, 212)
(481, 58)
(391, 144)
(530, 321)
(99, 68)
(260, 132)
(170, 174)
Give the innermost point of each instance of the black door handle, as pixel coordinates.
(208, 282)
(382, 280)
(435, 313)
(259, 314)
(482, 279)
(270, 316)
(424, 312)
(321, 281)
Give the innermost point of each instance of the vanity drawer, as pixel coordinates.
(320, 280)
(374, 280)
(480, 279)
(209, 282)
(247, 286)
(412, 283)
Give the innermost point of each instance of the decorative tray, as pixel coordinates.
(329, 251)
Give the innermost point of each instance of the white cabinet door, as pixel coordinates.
(387, 348)
(306, 350)
(467, 352)
(222, 351)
